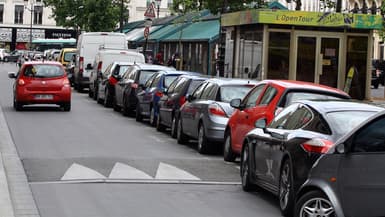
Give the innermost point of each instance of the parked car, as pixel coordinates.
(278, 157)
(266, 100)
(151, 93)
(108, 79)
(3, 54)
(65, 55)
(87, 46)
(102, 59)
(173, 98)
(41, 83)
(13, 56)
(205, 114)
(133, 82)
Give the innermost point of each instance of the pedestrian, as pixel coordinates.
(159, 58)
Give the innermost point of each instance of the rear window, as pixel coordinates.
(169, 79)
(68, 56)
(144, 76)
(43, 71)
(193, 85)
(122, 70)
(296, 96)
(344, 121)
(229, 92)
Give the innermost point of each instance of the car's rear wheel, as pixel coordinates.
(180, 136)
(17, 105)
(228, 154)
(202, 140)
(247, 185)
(285, 195)
(66, 106)
(314, 203)
(174, 127)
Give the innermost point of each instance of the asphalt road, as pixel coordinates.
(93, 162)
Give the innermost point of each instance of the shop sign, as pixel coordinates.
(22, 35)
(303, 18)
(5, 34)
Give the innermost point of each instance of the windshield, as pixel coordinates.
(43, 71)
(296, 96)
(68, 56)
(234, 92)
(144, 76)
(344, 121)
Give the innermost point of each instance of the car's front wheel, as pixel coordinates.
(6, 59)
(314, 203)
(247, 185)
(286, 196)
(17, 105)
(66, 106)
(202, 140)
(180, 136)
(228, 154)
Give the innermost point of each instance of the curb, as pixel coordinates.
(16, 198)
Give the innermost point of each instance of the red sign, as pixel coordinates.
(150, 12)
(146, 32)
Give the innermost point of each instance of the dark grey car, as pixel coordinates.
(349, 180)
(205, 115)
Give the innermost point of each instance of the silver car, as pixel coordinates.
(204, 116)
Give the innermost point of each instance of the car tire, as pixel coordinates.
(95, 93)
(66, 107)
(313, 201)
(228, 154)
(180, 136)
(98, 99)
(202, 140)
(6, 59)
(174, 127)
(138, 115)
(159, 126)
(126, 111)
(153, 117)
(90, 93)
(17, 105)
(107, 99)
(286, 192)
(115, 105)
(247, 184)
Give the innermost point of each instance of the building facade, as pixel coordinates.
(137, 8)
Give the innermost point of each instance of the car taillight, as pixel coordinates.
(81, 66)
(112, 80)
(66, 83)
(159, 93)
(215, 109)
(182, 100)
(21, 82)
(99, 69)
(320, 146)
(134, 85)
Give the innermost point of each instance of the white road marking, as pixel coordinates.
(166, 171)
(124, 171)
(157, 139)
(238, 167)
(78, 172)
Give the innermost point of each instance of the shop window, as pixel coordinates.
(278, 55)
(19, 13)
(38, 15)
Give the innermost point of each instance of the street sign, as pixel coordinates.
(150, 11)
(146, 32)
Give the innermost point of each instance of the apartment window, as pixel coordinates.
(19, 12)
(1, 13)
(38, 15)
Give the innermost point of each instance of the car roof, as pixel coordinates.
(291, 84)
(123, 63)
(145, 66)
(43, 63)
(194, 77)
(325, 106)
(229, 81)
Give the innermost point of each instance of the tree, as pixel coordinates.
(89, 15)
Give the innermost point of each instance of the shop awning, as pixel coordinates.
(198, 31)
(138, 33)
(129, 26)
(164, 32)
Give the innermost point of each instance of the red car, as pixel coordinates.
(265, 100)
(41, 83)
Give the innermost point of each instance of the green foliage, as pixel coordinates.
(88, 15)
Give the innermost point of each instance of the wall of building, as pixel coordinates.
(137, 9)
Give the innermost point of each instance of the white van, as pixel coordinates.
(105, 57)
(87, 46)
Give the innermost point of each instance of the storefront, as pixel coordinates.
(297, 45)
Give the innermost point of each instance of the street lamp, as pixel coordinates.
(157, 2)
(30, 26)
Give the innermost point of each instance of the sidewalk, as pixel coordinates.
(16, 198)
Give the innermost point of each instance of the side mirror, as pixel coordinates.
(236, 103)
(89, 66)
(12, 75)
(261, 123)
(118, 77)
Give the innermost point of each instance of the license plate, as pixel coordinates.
(43, 96)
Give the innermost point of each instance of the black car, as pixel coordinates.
(278, 157)
(174, 97)
(14, 56)
(133, 82)
(349, 179)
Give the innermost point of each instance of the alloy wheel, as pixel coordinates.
(152, 116)
(285, 186)
(317, 207)
(173, 128)
(245, 166)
